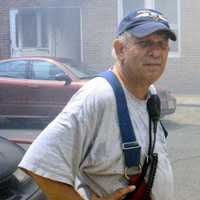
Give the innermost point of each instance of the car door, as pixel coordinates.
(13, 89)
(48, 95)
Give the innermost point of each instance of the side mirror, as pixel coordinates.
(63, 77)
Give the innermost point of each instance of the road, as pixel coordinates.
(184, 150)
(183, 143)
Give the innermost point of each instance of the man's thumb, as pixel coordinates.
(123, 191)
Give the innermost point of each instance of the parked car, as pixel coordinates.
(168, 102)
(14, 183)
(39, 87)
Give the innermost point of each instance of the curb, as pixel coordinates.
(188, 100)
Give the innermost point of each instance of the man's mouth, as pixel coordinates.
(152, 64)
(153, 67)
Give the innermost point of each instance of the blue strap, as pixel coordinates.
(130, 146)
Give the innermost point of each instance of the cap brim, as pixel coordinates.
(146, 29)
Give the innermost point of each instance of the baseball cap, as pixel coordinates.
(143, 22)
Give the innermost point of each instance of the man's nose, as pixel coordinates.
(155, 51)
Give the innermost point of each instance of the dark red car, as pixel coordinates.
(36, 87)
(39, 87)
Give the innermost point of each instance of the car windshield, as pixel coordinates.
(80, 72)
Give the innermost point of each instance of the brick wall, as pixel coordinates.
(99, 20)
(4, 33)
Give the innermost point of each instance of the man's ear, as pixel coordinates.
(119, 49)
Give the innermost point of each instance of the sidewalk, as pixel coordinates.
(188, 100)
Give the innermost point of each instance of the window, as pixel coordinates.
(47, 31)
(169, 8)
(31, 28)
(13, 69)
(43, 70)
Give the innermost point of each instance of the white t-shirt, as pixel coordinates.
(82, 146)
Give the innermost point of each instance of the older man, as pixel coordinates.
(79, 155)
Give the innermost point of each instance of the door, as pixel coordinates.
(47, 95)
(65, 33)
(13, 88)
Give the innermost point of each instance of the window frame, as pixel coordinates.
(17, 49)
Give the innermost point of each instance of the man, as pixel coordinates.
(79, 154)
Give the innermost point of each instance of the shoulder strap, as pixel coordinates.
(130, 146)
(164, 129)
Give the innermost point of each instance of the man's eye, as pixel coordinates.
(147, 44)
(144, 44)
(150, 44)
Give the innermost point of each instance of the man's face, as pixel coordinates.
(144, 59)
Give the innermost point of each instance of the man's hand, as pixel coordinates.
(117, 195)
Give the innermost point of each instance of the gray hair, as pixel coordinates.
(124, 38)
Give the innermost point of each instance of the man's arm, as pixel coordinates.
(55, 190)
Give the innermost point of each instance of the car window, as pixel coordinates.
(13, 69)
(43, 70)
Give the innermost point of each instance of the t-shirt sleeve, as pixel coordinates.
(59, 150)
